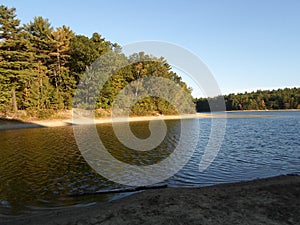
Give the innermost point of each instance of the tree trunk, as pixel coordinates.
(14, 99)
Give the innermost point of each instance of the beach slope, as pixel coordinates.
(266, 201)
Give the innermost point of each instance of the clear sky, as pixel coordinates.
(247, 44)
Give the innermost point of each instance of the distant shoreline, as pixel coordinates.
(264, 110)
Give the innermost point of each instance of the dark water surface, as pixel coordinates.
(41, 168)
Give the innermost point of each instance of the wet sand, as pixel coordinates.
(267, 201)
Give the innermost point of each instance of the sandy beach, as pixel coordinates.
(10, 123)
(266, 201)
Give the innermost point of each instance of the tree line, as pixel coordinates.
(41, 67)
(287, 98)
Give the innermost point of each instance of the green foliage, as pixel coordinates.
(142, 66)
(5, 96)
(17, 64)
(40, 113)
(41, 67)
(288, 98)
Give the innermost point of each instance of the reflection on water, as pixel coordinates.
(140, 129)
(40, 168)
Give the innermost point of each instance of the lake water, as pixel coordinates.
(41, 168)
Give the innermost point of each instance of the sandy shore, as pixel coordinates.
(267, 201)
(8, 124)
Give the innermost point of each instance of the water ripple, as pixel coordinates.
(40, 168)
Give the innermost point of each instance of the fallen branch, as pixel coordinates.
(116, 191)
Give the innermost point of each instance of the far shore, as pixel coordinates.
(12, 123)
(264, 110)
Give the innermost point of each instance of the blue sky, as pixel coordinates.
(247, 44)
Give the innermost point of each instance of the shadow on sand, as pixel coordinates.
(8, 124)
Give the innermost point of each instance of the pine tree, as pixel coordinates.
(38, 95)
(60, 76)
(17, 65)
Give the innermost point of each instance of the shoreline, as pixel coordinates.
(12, 123)
(23, 124)
(265, 110)
(272, 200)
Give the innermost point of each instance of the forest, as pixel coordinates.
(287, 98)
(41, 67)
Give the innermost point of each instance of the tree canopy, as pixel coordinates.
(41, 66)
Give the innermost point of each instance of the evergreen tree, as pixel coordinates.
(60, 76)
(17, 65)
(38, 95)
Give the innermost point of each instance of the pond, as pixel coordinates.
(42, 168)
